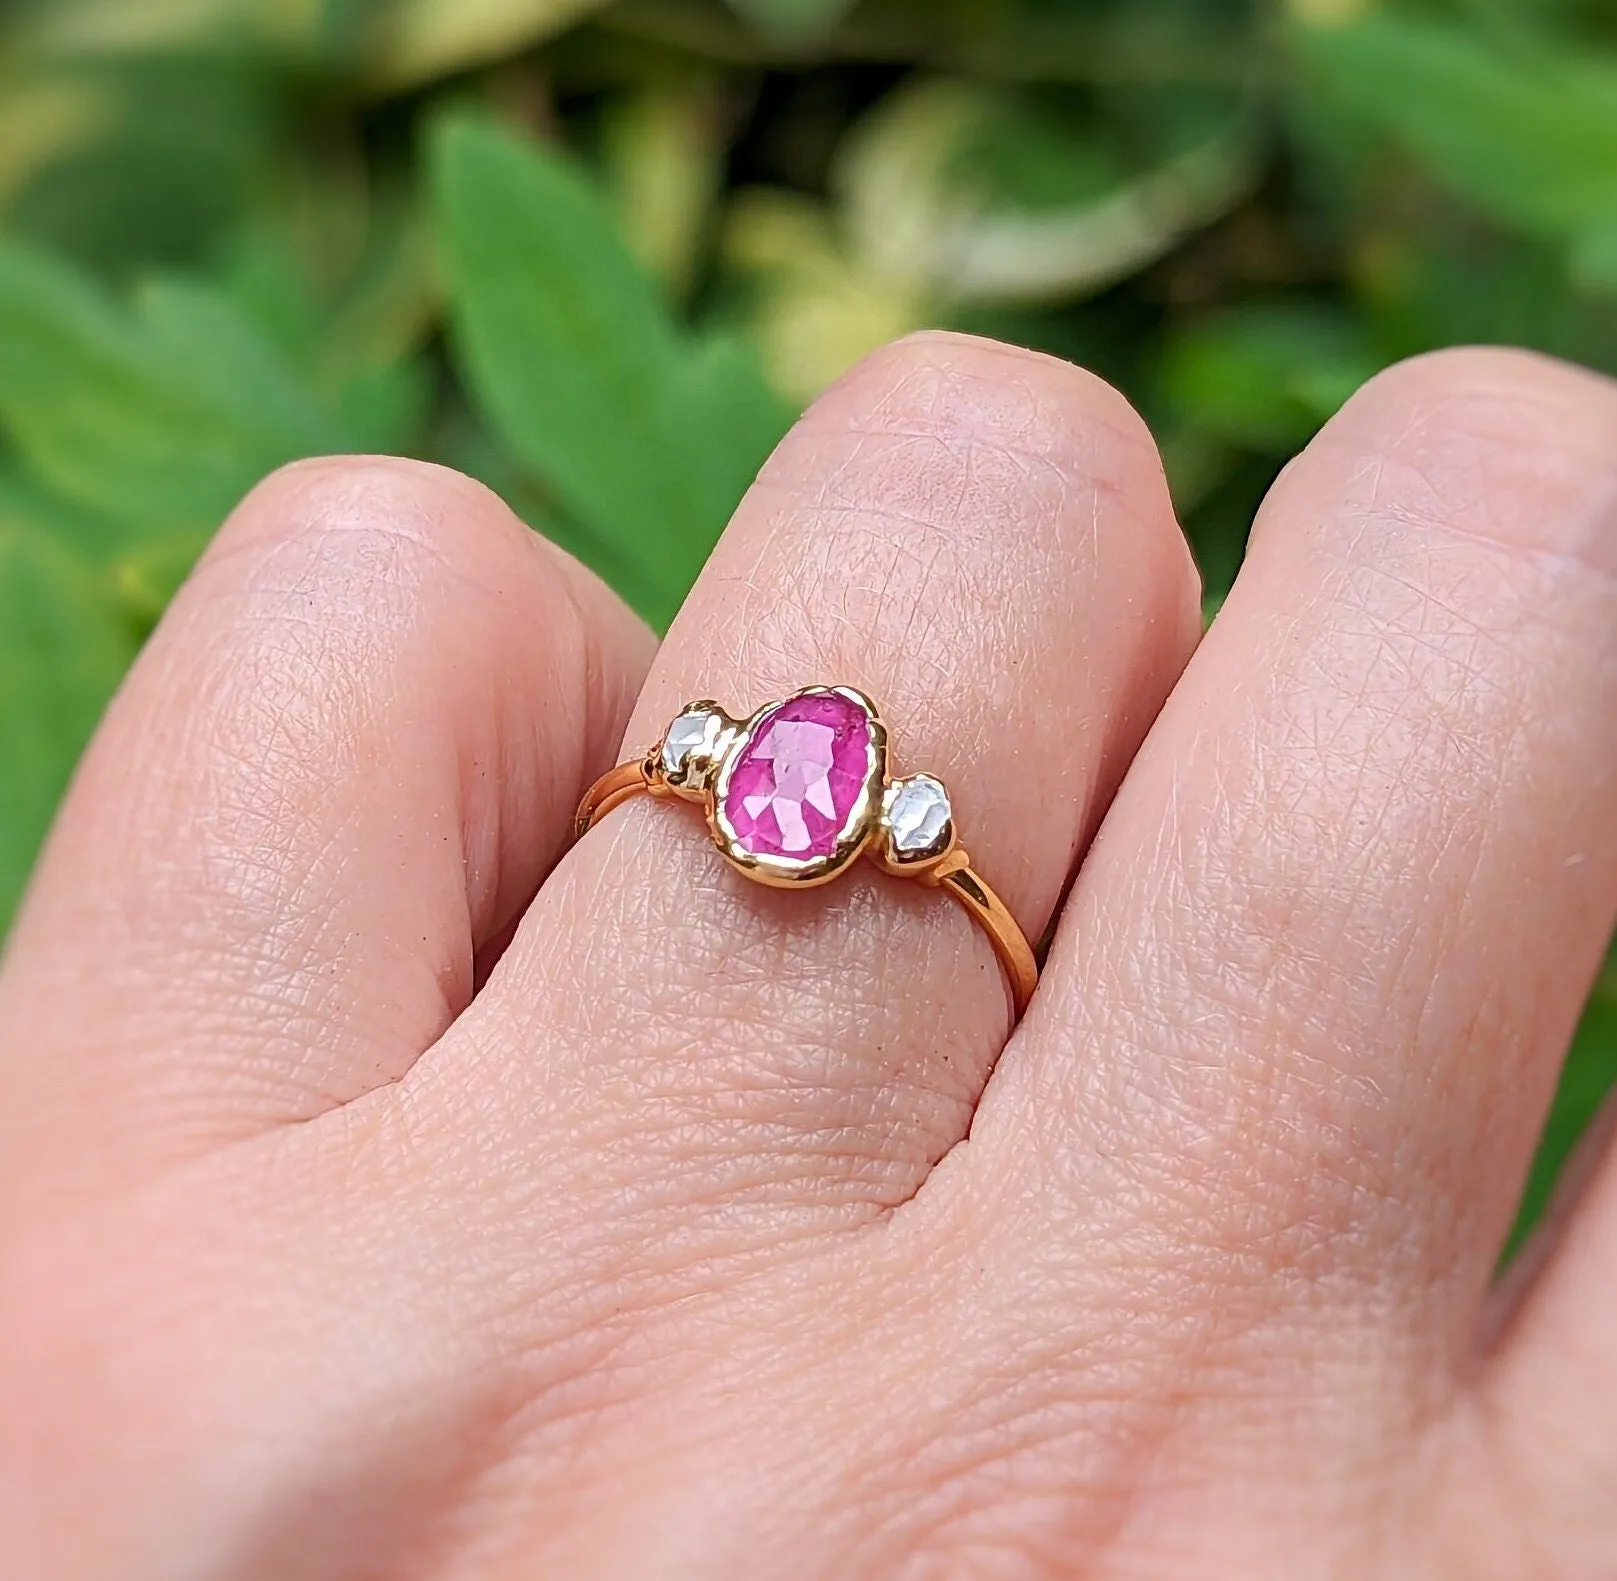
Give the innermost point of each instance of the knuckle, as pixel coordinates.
(1504, 450)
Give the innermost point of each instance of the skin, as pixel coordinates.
(388, 1191)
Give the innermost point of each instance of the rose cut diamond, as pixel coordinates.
(689, 733)
(918, 817)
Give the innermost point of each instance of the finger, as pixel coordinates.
(1337, 928)
(979, 538)
(1539, 1455)
(344, 761)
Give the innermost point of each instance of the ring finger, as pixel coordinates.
(981, 540)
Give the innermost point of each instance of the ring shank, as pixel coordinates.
(610, 790)
(994, 917)
(955, 876)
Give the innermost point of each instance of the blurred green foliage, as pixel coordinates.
(598, 254)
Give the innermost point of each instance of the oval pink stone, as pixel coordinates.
(799, 776)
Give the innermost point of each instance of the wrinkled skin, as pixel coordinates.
(389, 1191)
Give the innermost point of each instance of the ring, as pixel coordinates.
(797, 791)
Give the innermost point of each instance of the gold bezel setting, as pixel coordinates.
(702, 733)
(708, 744)
(858, 827)
(905, 826)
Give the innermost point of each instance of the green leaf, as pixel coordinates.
(145, 578)
(1265, 376)
(202, 345)
(63, 647)
(1594, 254)
(793, 21)
(1589, 1076)
(1526, 130)
(734, 416)
(984, 195)
(23, 499)
(643, 437)
(157, 419)
(356, 346)
(382, 409)
(172, 150)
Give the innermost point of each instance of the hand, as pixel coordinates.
(730, 1235)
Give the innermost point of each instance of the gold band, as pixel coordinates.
(612, 789)
(702, 748)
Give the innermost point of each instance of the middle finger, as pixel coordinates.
(1315, 980)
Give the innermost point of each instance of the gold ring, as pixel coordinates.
(797, 791)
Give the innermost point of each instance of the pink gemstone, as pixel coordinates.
(799, 777)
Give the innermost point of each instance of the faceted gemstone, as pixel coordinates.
(687, 733)
(918, 817)
(799, 776)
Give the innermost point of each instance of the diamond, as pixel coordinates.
(800, 775)
(693, 731)
(918, 817)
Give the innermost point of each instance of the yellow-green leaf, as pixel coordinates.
(423, 39)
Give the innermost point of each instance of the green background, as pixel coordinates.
(599, 254)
